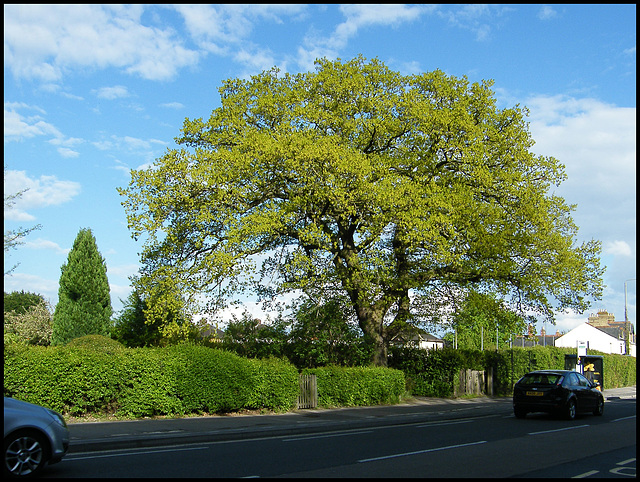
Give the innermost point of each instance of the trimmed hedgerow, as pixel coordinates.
(357, 386)
(97, 377)
(212, 380)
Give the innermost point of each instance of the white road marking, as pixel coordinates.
(421, 451)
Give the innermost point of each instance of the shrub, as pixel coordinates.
(98, 343)
(96, 375)
(358, 386)
(71, 380)
(148, 384)
(212, 380)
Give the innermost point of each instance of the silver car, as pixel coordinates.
(33, 437)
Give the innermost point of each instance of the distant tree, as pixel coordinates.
(32, 325)
(13, 238)
(84, 303)
(165, 308)
(479, 317)
(321, 334)
(250, 337)
(355, 175)
(21, 301)
(130, 327)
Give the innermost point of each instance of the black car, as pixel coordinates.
(564, 392)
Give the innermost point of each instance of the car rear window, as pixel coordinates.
(540, 379)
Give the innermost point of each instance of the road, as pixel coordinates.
(488, 445)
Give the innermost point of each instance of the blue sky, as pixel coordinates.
(91, 92)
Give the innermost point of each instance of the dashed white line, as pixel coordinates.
(586, 474)
(421, 451)
(558, 429)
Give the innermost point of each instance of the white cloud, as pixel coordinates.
(216, 27)
(597, 144)
(173, 105)
(41, 192)
(46, 244)
(43, 42)
(566, 321)
(617, 248)
(32, 284)
(18, 127)
(357, 17)
(123, 271)
(547, 12)
(256, 60)
(110, 93)
(68, 153)
(479, 19)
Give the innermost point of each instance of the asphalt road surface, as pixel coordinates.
(493, 444)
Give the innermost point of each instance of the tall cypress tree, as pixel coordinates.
(84, 303)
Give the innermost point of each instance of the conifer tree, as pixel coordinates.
(84, 303)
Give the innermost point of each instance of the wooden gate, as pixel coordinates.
(474, 382)
(308, 397)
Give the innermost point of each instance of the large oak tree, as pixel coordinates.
(357, 177)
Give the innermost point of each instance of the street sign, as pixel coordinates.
(582, 348)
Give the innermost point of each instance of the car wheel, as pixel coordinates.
(570, 411)
(599, 410)
(519, 412)
(25, 454)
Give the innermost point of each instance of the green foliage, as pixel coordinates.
(361, 179)
(249, 337)
(434, 373)
(97, 375)
(97, 343)
(84, 303)
(476, 321)
(131, 327)
(73, 380)
(149, 384)
(212, 380)
(322, 335)
(30, 324)
(431, 373)
(166, 309)
(21, 301)
(358, 386)
(314, 336)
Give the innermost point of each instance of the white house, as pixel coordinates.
(422, 340)
(596, 339)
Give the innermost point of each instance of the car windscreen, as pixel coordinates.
(540, 379)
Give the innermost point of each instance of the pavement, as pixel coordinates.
(154, 432)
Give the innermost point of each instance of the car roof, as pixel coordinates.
(555, 372)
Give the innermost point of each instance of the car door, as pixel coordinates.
(585, 393)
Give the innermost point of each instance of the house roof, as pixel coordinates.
(585, 328)
(421, 336)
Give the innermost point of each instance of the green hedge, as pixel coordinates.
(357, 386)
(94, 376)
(434, 373)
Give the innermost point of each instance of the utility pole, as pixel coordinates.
(627, 328)
(626, 318)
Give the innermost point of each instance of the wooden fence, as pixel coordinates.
(308, 397)
(474, 382)
(470, 382)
